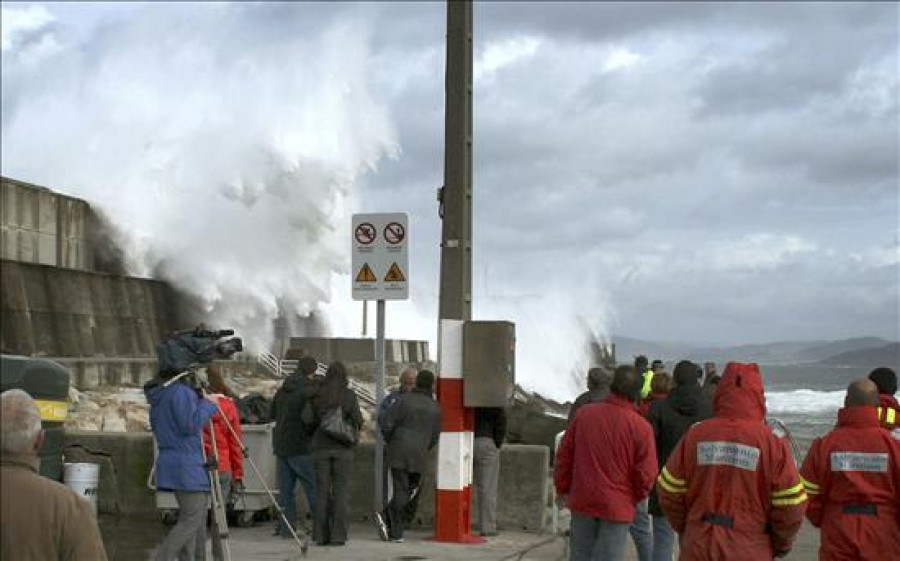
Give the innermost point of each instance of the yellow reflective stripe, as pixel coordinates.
(52, 410)
(812, 492)
(672, 479)
(790, 501)
(786, 492)
(891, 415)
(666, 486)
(808, 484)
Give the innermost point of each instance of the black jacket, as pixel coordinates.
(671, 417)
(590, 396)
(411, 428)
(490, 422)
(350, 404)
(290, 436)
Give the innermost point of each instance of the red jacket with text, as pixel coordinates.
(731, 487)
(606, 462)
(889, 412)
(227, 445)
(852, 477)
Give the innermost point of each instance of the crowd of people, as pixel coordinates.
(666, 459)
(662, 458)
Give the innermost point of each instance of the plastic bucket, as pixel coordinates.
(83, 479)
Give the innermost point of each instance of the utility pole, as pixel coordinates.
(453, 493)
(456, 195)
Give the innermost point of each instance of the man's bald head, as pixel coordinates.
(408, 379)
(861, 392)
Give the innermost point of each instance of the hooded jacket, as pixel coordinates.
(889, 412)
(852, 477)
(291, 436)
(731, 487)
(671, 418)
(606, 462)
(177, 417)
(228, 445)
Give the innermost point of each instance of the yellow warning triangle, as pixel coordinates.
(394, 274)
(365, 274)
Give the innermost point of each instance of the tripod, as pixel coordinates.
(217, 497)
(303, 544)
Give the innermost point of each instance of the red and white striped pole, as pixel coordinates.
(453, 496)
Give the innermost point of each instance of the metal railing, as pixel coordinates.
(270, 362)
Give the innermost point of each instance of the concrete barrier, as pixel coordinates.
(126, 459)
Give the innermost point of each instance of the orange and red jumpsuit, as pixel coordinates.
(731, 488)
(852, 477)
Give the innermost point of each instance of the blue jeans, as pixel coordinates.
(290, 469)
(663, 539)
(641, 532)
(592, 539)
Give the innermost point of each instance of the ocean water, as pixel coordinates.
(806, 398)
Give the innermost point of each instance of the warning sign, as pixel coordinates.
(394, 274)
(379, 244)
(366, 274)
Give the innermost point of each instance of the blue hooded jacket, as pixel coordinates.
(177, 417)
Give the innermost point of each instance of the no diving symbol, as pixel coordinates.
(365, 233)
(394, 233)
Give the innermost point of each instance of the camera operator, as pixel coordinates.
(178, 413)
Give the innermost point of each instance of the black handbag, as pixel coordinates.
(337, 427)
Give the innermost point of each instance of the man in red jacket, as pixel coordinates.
(731, 488)
(852, 476)
(605, 465)
(888, 410)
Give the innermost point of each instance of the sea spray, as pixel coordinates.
(224, 145)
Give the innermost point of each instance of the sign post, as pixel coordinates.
(380, 272)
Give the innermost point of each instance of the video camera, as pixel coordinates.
(185, 350)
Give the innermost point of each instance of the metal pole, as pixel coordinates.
(456, 195)
(379, 397)
(365, 326)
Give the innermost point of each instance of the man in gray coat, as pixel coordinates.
(411, 428)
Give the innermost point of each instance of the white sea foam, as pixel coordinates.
(804, 401)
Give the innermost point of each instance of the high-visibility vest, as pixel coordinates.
(887, 416)
(648, 381)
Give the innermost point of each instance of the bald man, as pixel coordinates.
(852, 477)
(41, 519)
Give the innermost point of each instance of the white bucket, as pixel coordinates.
(83, 478)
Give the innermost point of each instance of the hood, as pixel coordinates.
(740, 393)
(153, 390)
(686, 399)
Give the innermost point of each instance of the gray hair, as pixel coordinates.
(20, 422)
(410, 371)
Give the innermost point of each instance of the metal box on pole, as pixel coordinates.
(489, 363)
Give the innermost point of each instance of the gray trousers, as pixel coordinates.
(487, 471)
(187, 539)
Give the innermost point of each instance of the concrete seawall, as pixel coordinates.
(126, 460)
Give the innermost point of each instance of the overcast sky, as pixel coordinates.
(706, 172)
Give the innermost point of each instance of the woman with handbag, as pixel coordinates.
(335, 416)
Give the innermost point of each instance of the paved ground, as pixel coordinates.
(129, 539)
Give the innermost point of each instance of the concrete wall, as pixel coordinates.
(126, 460)
(360, 350)
(40, 226)
(48, 311)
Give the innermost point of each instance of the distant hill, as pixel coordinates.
(822, 352)
(885, 355)
(782, 352)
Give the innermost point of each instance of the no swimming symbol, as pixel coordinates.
(394, 233)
